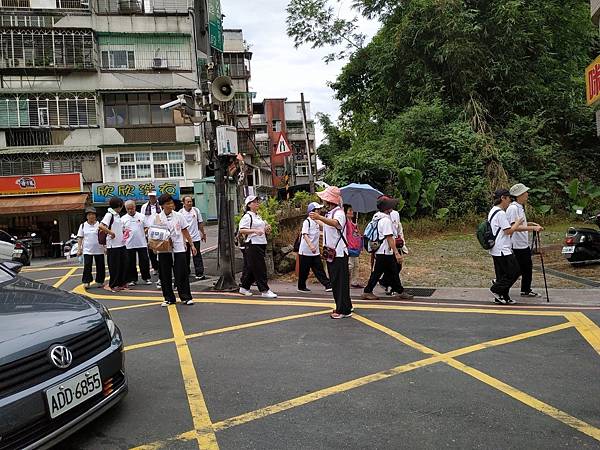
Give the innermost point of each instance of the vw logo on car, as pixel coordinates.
(61, 356)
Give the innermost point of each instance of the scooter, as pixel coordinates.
(582, 245)
(22, 250)
(71, 247)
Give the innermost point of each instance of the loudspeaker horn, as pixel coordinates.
(222, 89)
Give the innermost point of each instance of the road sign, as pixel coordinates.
(283, 146)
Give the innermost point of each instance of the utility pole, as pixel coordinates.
(311, 178)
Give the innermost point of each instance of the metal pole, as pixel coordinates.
(311, 178)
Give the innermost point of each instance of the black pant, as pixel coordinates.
(175, 262)
(198, 261)
(142, 255)
(117, 266)
(385, 279)
(256, 268)
(339, 274)
(525, 266)
(507, 272)
(385, 265)
(87, 268)
(307, 263)
(153, 259)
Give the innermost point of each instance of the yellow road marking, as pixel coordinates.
(221, 330)
(203, 427)
(527, 399)
(142, 305)
(65, 277)
(340, 388)
(42, 269)
(493, 382)
(123, 298)
(587, 328)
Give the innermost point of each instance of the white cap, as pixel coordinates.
(312, 206)
(152, 193)
(250, 199)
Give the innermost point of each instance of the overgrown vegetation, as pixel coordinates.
(453, 99)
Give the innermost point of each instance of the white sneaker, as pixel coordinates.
(147, 281)
(188, 302)
(329, 290)
(245, 292)
(86, 285)
(166, 303)
(131, 283)
(158, 286)
(269, 294)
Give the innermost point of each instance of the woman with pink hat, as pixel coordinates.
(335, 250)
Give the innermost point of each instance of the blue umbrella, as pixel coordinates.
(362, 197)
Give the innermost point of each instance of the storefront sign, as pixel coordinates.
(138, 191)
(59, 183)
(215, 24)
(592, 82)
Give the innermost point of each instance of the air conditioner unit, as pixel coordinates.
(159, 63)
(190, 157)
(112, 160)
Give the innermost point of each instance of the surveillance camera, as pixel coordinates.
(173, 104)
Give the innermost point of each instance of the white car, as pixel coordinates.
(7, 246)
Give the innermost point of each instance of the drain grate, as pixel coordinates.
(420, 292)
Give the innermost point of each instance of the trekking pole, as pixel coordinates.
(538, 242)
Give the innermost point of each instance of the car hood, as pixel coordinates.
(33, 316)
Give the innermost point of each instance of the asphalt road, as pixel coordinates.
(242, 373)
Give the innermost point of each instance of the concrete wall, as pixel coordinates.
(293, 111)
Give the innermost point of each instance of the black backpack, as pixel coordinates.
(485, 234)
(240, 239)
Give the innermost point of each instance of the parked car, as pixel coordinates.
(7, 246)
(61, 362)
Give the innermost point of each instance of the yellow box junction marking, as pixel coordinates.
(587, 328)
(205, 435)
(65, 277)
(495, 383)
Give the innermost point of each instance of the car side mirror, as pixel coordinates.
(13, 266)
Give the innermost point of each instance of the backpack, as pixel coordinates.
(299, 238)
(102, 235)
(485, 234)
(371, 240)
(238, 239)
(353, 239)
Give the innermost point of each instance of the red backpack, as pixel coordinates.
(353, 238)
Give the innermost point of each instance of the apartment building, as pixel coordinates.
(277, 119)
(81, 84)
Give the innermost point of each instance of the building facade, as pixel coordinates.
(273, 119)
(81, 84)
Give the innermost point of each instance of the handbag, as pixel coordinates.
(102, 235)
(159, 237)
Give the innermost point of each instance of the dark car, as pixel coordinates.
(61, 362)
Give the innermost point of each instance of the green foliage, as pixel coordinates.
(580, 194)
(470, 95)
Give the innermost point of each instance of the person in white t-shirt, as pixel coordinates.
(255, 231)
(116, 253)
(149, 210)
(334, 229)
(520, 238)
(134, 231)
(387, 256)
(196, 229)
(92, 251)
(174, 260)
(309, 255)
(400, 244)
(505, 263)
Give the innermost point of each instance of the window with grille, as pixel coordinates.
(132, 110)
(118, 59)
(48, 110)
(34, 167)
(149, 165)
(301, 169)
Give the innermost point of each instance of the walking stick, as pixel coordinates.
(538, 244)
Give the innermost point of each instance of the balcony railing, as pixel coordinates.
(34, 138)
(119, 6)
(47, 49)
(168, 6)
(159, 134)
(59, 4)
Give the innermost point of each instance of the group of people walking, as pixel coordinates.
(125, 241)
(511, 251)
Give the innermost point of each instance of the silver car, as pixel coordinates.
(61, 362)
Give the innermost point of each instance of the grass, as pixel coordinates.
(450, 256)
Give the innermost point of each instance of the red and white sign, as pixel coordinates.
(41, 184)
(283, 146)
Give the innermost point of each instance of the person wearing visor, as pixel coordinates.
(254, 231)
(310, 256)
(520, 238)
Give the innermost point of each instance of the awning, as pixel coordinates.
(36, 204)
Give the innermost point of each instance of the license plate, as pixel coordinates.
(17, 252)
(72, 392)
(568, 250)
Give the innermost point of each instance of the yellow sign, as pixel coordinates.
(592, 82)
